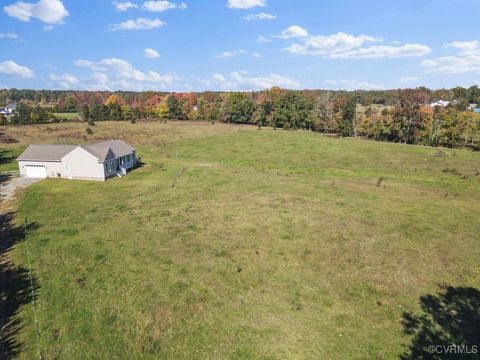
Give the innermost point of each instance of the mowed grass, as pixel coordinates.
(271, 245)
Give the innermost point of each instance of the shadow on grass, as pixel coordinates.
(5, 157)
(451, 317)
(139, 164)
(15, 289)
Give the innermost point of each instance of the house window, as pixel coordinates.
(67, 167)
(109, 167)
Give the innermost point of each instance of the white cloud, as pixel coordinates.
(328, 45)
(158, 6)
(384, 51)
(245, 4)
(114, 74)
(218, 77)
(239, 80)
(263, 39)
(47, 11)
(65, 81)
(227, 54)
(12, 68)
(465, 47)
(256, 55)
(355, 85)
(293, 31)
(467, 59)
(154, 6)
(259, 16)
(346, 46)
(124, 6)
(12, 36)
(151, 53)
(409, 79)
(138, 24)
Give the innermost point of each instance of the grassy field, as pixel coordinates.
(271, 245)
(69, 116)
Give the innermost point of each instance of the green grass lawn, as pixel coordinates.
(8, 158)
(69, 116)
(272, 245)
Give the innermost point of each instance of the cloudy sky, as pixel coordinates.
(194, 45)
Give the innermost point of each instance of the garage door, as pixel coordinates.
(36, 171)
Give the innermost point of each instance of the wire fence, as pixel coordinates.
(32, 288)
(173, 183)
(177, 176)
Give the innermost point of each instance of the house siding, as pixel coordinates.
(53, 167)
(80, 164)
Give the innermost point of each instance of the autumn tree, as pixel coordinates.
(324, 113)
(408, 118)
(208, 110)
(114, 100)
(264, 109)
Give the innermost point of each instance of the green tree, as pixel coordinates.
(21, 115)
(85, 112)
(293, 109)
(175, 108)
(348, 116)
(239, 108)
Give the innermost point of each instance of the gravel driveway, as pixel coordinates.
(8, 188)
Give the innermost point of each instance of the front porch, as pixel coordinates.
(125, 163)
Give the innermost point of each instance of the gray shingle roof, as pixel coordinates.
(103, 151)
(45, 152)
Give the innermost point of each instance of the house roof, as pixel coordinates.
(45, 152)
(103, 151)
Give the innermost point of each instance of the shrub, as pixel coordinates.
(286, 126)
(89, 130)
(91, 122)
(133, 121)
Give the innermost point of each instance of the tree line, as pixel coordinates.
(395, 115)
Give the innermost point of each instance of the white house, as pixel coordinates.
(441, 103)
(98, 161)
(8, 110)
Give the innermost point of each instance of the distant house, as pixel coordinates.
(8, 110)
(441, 103)
(476, 111)
(98, 161)
(471, 107)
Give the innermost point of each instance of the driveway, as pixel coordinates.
(8, 187)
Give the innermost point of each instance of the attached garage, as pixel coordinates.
(36, 171)
(97, 161)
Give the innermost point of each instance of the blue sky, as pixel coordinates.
(194, 45)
